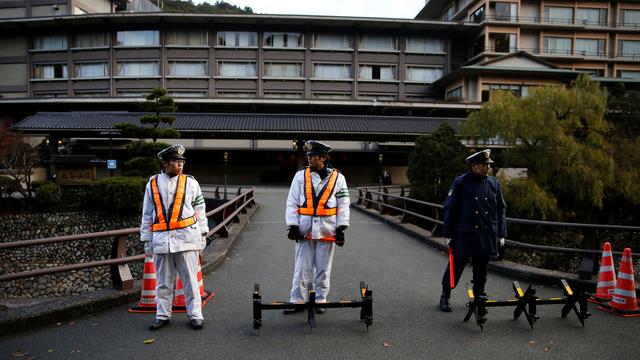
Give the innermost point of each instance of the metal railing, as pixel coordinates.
(554, 21)
(394, 200)
(121, 277)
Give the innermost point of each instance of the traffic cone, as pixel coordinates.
(624, 302)
(179, 304)
(206, 295)
(147, 302)
(606, 277)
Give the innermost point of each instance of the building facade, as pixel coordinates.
(434, 69)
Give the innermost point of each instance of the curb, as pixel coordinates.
(13, 320)
(503, 267)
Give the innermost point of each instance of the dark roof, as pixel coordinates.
(520, 53)
(206, 125)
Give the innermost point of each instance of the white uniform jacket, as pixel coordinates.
(319, 227)
(172, 241)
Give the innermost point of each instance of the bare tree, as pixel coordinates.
(18, 159)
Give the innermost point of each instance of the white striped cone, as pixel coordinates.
(178, 295)
(148, 297)
(624, 296)
(606, 275)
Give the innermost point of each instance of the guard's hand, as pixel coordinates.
(147, 248)
(501, 242)
(450, 242)
(294, 233)
(340, 235)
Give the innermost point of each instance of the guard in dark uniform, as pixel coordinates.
(474, 224)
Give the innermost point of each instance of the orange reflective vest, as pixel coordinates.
(314, 205)
(174, 219)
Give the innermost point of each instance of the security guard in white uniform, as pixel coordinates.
(317, 216)
(174, 228)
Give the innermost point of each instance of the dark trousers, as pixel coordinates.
(480, 268)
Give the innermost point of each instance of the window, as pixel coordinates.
(187, 68)
(517, 90)
(593, 72)
(138, 68)
(188, 93)
(590, 47)
(557, 45)
(478, 46)
(187, 38)
(282, 40)
(376, 96)
(236, 94)
(425, 45)
(629, 74)
(448, 14)
(138, 38)
(629, 48)
(332, 71)
(283, 70)
(558, 15)
(132, 93)
(332, 41)
(237, 69)
(283, 94)
(504, 43)
(237, 39)
(331, 95)
(590, 16)
(377, 42)
(506, 11)
(423, 74)
(455, 94)
(91, 70)
(50, 42)
(377, 72)
(630, 17)
(50, 71)
(91, 40)
(91, 93)
(49, 94)
(478, 15)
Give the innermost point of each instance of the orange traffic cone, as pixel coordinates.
(624, 301)
(148, 297)
(606, 277)
(179, 304)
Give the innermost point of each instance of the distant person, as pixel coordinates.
(386, 178)
(474, 224)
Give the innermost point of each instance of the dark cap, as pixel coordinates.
(313, 147)
(173, 152)
(481, 157)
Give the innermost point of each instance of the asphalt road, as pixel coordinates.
(404, 275)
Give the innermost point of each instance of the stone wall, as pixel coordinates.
(42, 225)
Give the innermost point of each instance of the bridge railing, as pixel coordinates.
(395, 201)
(221, 217)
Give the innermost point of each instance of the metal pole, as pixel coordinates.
(110, 155)
(226, 156)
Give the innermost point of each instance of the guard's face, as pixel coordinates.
(316, 161)
(174, 167)
(481, 169)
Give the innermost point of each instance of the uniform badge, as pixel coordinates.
(180, 150)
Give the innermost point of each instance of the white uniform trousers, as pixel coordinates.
(186, 265)
(312, 266)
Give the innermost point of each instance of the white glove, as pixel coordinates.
(147, 248)
(204, 242)
(501, 242)
(448, 241)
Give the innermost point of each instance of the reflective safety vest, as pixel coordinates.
(163, 222)
(314, 205)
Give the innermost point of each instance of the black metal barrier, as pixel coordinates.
(526, 302)
(365, 305)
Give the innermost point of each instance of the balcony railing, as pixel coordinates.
(556, 21)
(564, 52)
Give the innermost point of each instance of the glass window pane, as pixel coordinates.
(89, 40)
(50, 42)
(377, 42)
(629, 48)
(138, 38)
(561, 15)
(589, 16)
(630, 17)
(91, 70)
(187, 68)
(187, 38)
(629, 74)
(138, 68)
(425, 45)
(423, 74)
(283, 70)
(332, 71)
(237, 69)
(332, 41)
(556, 45)
(590, 47)
(50, 71)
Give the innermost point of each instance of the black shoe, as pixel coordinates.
(292, 311)
(321, 311)
(444, 304)
(158, 324)
(196, 324)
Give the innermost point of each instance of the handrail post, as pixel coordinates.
(120, 274)
(359, 202)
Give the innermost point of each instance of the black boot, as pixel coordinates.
(444, 300)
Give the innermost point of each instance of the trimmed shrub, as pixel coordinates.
(118, 194)
(48, 194)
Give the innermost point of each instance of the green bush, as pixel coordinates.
(143, 166)
(118, 194)
(48, 194)
(9, 185)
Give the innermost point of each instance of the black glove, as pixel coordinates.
(340, 235)
(294, 233)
